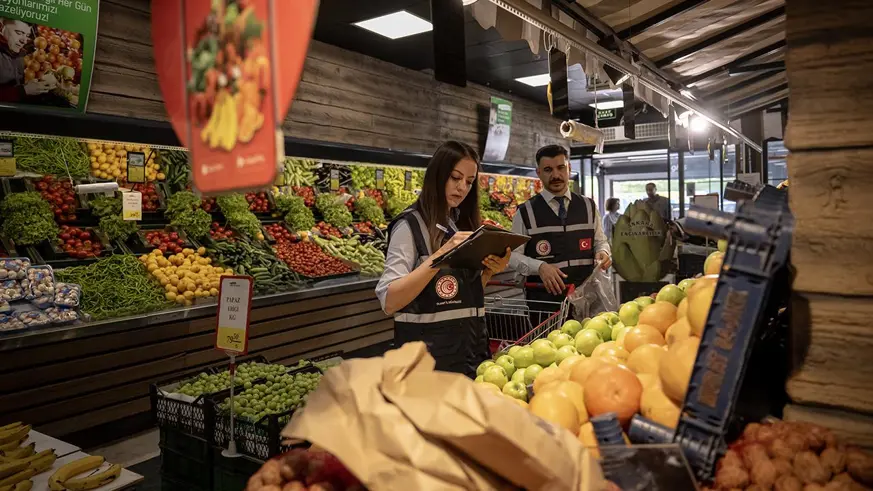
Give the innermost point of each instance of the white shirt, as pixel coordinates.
(528, 266)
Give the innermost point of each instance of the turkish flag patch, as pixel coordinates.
(584, 244)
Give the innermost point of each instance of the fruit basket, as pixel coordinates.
(258, 439)
(187, 414)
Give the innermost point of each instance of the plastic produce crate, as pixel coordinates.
(186, 461)
(259, 440)
(193, 417)
(232, 474)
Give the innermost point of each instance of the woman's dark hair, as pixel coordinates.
(432, 202)
(612, 204)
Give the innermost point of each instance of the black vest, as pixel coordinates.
(569, 245)
(448, 315)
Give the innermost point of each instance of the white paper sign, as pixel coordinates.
(234, 306)
(706, 201)
(753, 178)
(131, 205)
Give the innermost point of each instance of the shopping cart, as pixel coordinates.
(518, 321)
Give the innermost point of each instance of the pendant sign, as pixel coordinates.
(407, 181)
(380, 179)
(334, 180)
(131, 206)
(7, 158)
(234, 307)
(228, 80)
(136, 167)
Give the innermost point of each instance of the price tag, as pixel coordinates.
(334, 180)
(131, 205)
(136, 167)
(7, 158)
(407, 184)
(491, 182)
(514, 183)
(380, 179)
(234, 307)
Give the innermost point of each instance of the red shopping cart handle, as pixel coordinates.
(533, 286)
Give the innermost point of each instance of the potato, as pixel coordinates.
(788, 482)
(731, 477)
(779, 449)
(814, 487)
(809, 469)
(860, 466)
(797, 441)
(847, 483)
(294, 486)
(754, 453)
(783, 467)
(750, 432)
(764, 473)
(732, 459)
(834, 460)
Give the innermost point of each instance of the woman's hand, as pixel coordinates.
(452, 243)
(496, 264)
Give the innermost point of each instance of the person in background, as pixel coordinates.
(612, 214)
(14, 36)
(565, 229)
(444, 308)
(658, 202)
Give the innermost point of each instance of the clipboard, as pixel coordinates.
(485, 241)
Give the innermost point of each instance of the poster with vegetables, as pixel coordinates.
(47, 52)
(228, 75)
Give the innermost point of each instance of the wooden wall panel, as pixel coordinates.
(344, 97)
(853, 428)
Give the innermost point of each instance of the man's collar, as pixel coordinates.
(548, 196)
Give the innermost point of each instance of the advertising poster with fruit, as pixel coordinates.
(47, 52)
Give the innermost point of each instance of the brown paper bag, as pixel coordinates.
(397, 424)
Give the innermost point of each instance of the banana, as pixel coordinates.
(43, 464)
(11, 426)
(95, 481)
(18, 453)
(14, 434)
(74, 468)
(10, 468)
(21, 486)
(12, 445)
(18, 477)
(37, 456)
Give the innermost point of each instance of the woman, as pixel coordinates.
(442, 307)
(611, 217)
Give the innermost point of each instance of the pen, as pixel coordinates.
(449, 233)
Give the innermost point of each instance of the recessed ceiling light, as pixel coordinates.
(535, 80)
(608, 105)
(397, 25)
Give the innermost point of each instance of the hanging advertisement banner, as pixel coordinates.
(47, 52)
(228, 82)
(499, 123)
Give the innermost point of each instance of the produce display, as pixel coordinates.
(79, 242)
(304, 470)
(51, 156)
(368, 210)
(27, 218)
(246, 373)
(102, 206)
(151, 199)
(278, 394)
(165, 241)
(376, 194)
(270, 273)
(236, 209)
(175, 165)
(327, 230)
(305, 192)
(208, 204)
(309, 260)
(186, 275)
(109, 161)
(399, 201)
(185, 213)
(371, 259)
(497, 219)
(258, 202)
(117, 228)
(278, 232)
(298, 172)
(115, 286)
(295, 212)
(218, 232)
(18, 464)
(333, 210)
(60, 195)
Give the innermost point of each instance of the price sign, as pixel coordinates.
(334, 180)
(407, 184)
(136, 167)
(491, 182)
(7, 158)
(234, 308)
(380, 179)
(131, 205)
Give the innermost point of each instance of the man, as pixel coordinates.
(14, 36)
(565, 229)
(658, 202)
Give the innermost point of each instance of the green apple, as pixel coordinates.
(545, 353)
(565, 352)
(617, 329)
(495, 375)
(516, 390)
(571, 327)
(562, 340)
(722, 245)
(610, 317)
(713, 263)
(587, 340)
(619, 336)
(542, 342)
(629, 313)
(602, 326)
(644, 302)
(482, 366)
(584, 322)
(513, 350)
(670, 293)
(507, 364)
(524, 357)
(518, 376)
(480, 379)
(553, 365)
(685, 284)
(531, 374)
(552, 335)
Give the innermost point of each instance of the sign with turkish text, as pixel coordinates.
(234, 308)
(47, 52)
(136, 167)
(499, 124)
(380, 179)
(605, 114)
(228, 70)
(7, 158)
(131, 205)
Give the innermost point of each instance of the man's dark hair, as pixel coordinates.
(551, 151)
(651, 184)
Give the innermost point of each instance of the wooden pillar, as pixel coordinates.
(830, 135)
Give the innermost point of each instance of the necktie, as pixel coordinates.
(562, 210)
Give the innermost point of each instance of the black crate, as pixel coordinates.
(193, 418)
(259, 440)
(186, 461)
(629, 290)
(170, 484)
(232, 474)
(690, 265)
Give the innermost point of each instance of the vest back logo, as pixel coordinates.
(447, 287)
(543, 248)
(584, 244)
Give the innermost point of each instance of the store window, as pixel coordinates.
(777, 162)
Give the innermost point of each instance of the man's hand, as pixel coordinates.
(553, 279)
(604, 259)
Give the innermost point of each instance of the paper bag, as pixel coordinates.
(397, 424)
